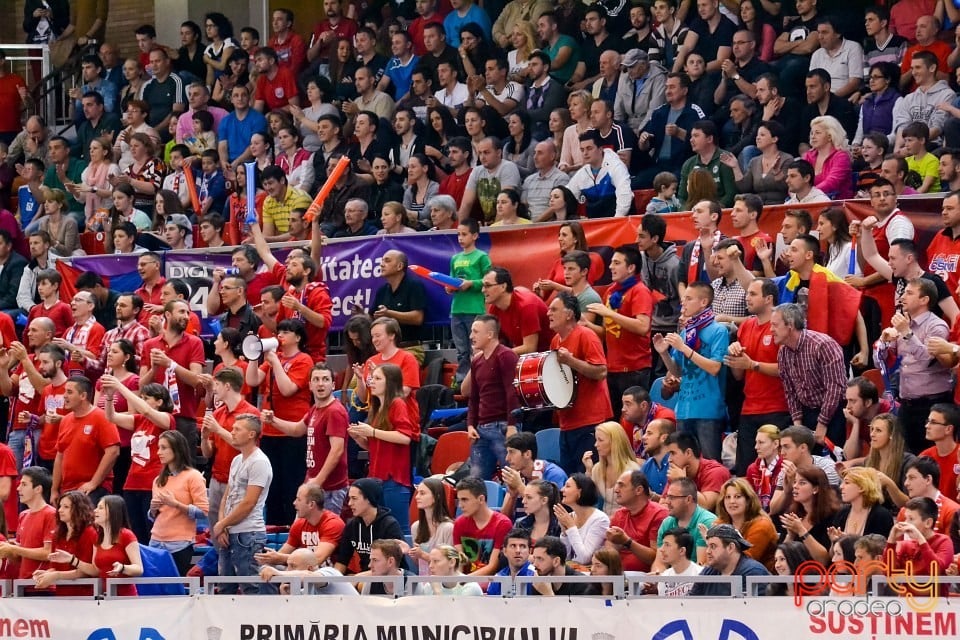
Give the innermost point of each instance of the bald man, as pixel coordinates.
(302, 563)
(402, 298)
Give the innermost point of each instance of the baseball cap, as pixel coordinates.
(181, 221)
(634, 56)
(728, 533)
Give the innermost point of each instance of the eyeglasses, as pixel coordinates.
(670, 497)
(939, 424)
(487, 285)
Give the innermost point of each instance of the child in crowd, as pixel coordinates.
(203, 137)
(211, 185)
(665, 184)
(177, 181)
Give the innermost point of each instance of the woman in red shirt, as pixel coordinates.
(148, 417)
(570, 237)
(388, 437)
(75, 539)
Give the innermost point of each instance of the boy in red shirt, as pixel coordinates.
(37, 526)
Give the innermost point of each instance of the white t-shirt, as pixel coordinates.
(257, 471)
(678, 589)
(331, 588)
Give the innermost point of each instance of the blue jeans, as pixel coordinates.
(489, 451)
(17, 440)
(573, 444)
(708, 432)
(460, 324)
(333, 500)
(237, 560)
(396, 497)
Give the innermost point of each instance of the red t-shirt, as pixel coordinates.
(276, 94)
(186, 351)
(526, 315)
(949, 468)
(8, 469)
(592, 403)
(345, 28)
(479, 544)
(240, 365)
(711, 476)
(635, 431)
(291, 53)
(389, 461)
(51, 403)
(324, 423)
(946, 510)
(93, 342)
(316, 297)
(8, 332)
(144, 464)
(60, 313)
(628, 351)
(82, 547)
(104, 559)
(82, 442)
(415, 29)
(304, 535)
(149, 297)
(943, 253)
(454, 185)
(27, 397)
(641, 527)
(10, 102)
(763, 394)
(294, 407)
(750, 259)
(595, 273)
(36, 529)
(223, 452)
(411, 375)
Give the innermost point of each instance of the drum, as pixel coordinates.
(541, 381)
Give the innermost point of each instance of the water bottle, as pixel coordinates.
(231, 272)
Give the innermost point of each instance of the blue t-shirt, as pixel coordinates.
(527, 570)
(400, 75)
(656, 474)
(237, 132)
(28, 206)
(453, 23)
(701, 394)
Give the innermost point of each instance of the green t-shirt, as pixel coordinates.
(700, 516)
(469, 266)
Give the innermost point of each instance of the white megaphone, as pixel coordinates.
(254, 347)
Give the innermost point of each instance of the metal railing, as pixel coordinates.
(22, 59)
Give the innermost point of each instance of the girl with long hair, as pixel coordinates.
(75, 536)
(888, 452)
(518, 148)
(863, 511)
(121, 363)
(570, 237)
(605, 562)
(510, 210)
(557, 125)
(388, 437)
(700, 186)
(446, 560)
(584, 526)
(421, 186)
(166, 203)
(561, 205)
(433, 526)
(754, 19)
(123, 210)
(237, 228)
(147, 417)
(540, 497)
(763, 472)
(833, 228)
(812, 512)
(179, 499)
(216, 56)
(787, 560)
(615, 457)
(739, 506)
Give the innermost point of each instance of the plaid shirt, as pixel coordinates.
(135, 332)
(813, 375)
(729, 299)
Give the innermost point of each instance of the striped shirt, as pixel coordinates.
(135, 332)
(813, 375)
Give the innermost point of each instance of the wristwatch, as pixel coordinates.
(756, 366)
(955, 349)
(735, 77)
(627, 545)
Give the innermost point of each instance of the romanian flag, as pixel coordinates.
(832, 305)
(119, 272)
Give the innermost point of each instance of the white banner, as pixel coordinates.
(479, 618)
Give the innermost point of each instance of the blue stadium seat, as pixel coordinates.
(548, 445)
(495, 494)
(656, 391)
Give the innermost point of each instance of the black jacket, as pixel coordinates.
(10, 275)
(358, 536)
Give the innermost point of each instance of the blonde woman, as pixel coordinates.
(862, 512)
(570, 157)
(763, 472)
(830, 158)
(446, 560)
(393, 217)
(56, 221)
(94, 189)
(615, 457)
(524, 41)
(739, 506)
(887, 451)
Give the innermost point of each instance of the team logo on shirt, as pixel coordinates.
(767, 340)
(944, 264)
(278, 92)
(87, 429)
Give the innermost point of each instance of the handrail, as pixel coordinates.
(20, 585)
(192, 583)
(634, 582)
(880, 580)
(413, 581)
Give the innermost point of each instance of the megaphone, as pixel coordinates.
(254, 347)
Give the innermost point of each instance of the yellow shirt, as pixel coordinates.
(279, 212)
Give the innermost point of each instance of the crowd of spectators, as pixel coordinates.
(782, 446)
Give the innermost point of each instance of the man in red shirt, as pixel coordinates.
(326, 34)
(87, 447)
(315, 528)
(747, 208)
(216, 443)
(175, 360)
(639, 411)
(942, 430)
(23, 384)
(284, 376)
(325, 426)
(83, 341)
(50, 364)
(686, 461)
(625, 327)
(50, 305)
(37, 525)
(944, 249)
(461, 160)
(276, 86)
(290, 47)
(249, 266)
(148, 266)
(581, 350)
(633, 527)
(522, 315)
(13, 100)
(753, 359)
(174, 289)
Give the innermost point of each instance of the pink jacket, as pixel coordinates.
(836, 177)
